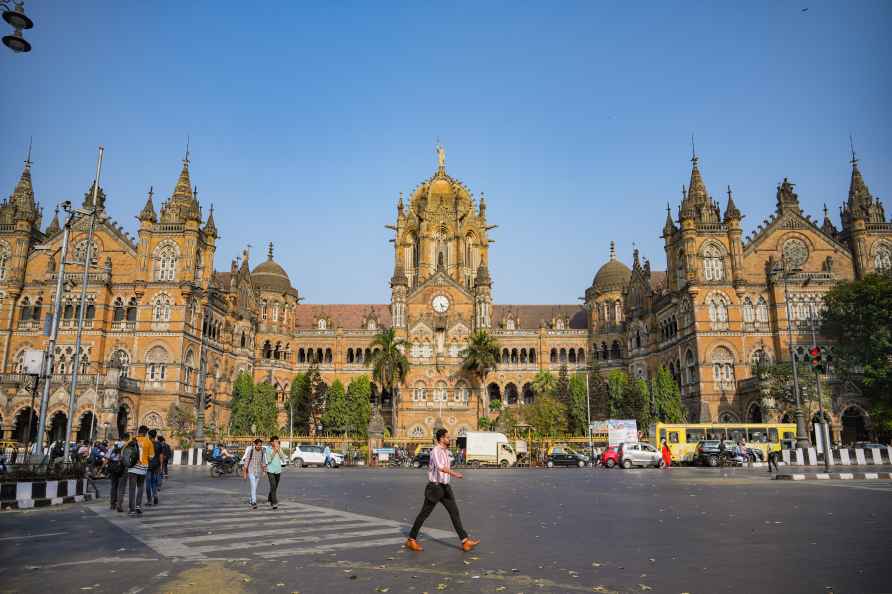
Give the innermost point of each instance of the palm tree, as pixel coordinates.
(479, 358)
(544, 383)
(389, 365)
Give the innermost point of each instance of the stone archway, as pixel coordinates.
(57, 425)
(754, 415)
(121, 420)
(87, 429)
(854, 425)
(20, 431)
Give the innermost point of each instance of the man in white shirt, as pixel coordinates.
(439, 490)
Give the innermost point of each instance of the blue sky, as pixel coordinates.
(307, 120)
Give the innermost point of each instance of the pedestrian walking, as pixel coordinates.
(274, 458)
(773, 460)
(138, 453)
(154, 470)
(254, 463)
(438, 490)
(166, 454)
(667, 455)
(117, 474)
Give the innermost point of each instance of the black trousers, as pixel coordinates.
(118, 488)
(273, 477)
(772, 461)
(135, 485)
(437, 493)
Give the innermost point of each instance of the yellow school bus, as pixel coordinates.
(683, 437)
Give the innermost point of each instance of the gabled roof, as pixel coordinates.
(792, 220)
(347, 316)
(531, 317)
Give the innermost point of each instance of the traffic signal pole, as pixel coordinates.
(817, 369)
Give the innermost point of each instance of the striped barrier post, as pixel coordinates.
(859, 457)
(844, 457)
(812, 457)
(800, 459)
(877, 456)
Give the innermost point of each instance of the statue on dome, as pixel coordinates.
(441, 156)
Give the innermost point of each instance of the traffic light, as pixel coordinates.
(815, 356)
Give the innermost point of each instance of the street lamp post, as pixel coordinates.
(802, 440)
(88, 256)
(588, 412)
(825, 432)
(202, 374)
(17, 19)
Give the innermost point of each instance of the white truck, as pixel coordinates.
(488, 447)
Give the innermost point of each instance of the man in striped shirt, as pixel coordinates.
(439, 490)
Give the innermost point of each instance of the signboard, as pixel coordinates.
(619, 431)
(598, 427)
(32, 362)
(384, 450)
(821, 436)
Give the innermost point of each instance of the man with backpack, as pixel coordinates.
(137, 455)
(117, 475)
(166, 455)
(254, 463)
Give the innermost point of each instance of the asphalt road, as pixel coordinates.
(559, 530)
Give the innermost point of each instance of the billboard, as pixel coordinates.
(621, 430)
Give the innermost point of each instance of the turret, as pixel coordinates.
(735, 238)
(483, 297)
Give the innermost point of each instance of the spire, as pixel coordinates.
(210, 228)
(612, 250)
(859, 195)
(54, 226)
(23, 195)
(184, 183)
(269, 253)
(669, 226)
(697, 193)
(731, 211)
(482, 210)
(636, 263)
(399, 276)
(400, 206)
(148, 211)
(441, 158)
(827, 226)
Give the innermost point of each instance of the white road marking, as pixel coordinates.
(31, 536)
(237, 532)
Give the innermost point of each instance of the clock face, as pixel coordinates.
(440, 303)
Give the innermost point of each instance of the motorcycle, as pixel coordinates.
(223, 467)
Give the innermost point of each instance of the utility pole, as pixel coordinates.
(47, 371)
(588, 412)
(202, 374)
(802, 440)
(825, 432)
(88, 256)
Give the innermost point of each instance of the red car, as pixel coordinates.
(609, 457)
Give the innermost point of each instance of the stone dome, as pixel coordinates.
(270, 276)
(612, 275)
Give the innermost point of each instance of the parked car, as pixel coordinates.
(310, 455)
(423, 458)
(639, 454)
(707, 452)
(565, 457)
(610, 456)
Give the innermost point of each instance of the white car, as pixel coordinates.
(310, 455)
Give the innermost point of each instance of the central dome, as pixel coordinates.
(612, 275)
(270, 276)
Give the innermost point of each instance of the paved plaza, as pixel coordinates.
(562, 530)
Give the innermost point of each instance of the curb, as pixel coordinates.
(826, 476)
(44, 502)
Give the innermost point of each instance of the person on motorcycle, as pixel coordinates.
(215, 453)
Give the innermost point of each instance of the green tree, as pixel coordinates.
(547, 416)
(667, 398)
(636, 403)
(296, 406)
(316, 396)
(562, 388)
(507, 421)
(240, 404)
(181, 423)
(544, 384)
(389, 364)
(359, 393)
(617, 381)
(858, 321)
(600, 393)
(479, 358)
(577, 406)
(264, 412)
(336, 417)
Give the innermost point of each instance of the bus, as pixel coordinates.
(683, 437)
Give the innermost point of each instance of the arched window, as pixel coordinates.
(563, 355)
(166, 262)
(263, 310)
(580, 356)
(691, 367)
(532, 355)
(350, 355)
(713, 265)
(161, 308)
(118, 310)
(462, 392)
(91, 309)
(681, 276)
(420, 392)
(749, 313)
(275, 312)
(35, 310)
(26, 309)
(762, 311)
(322, 324)
(243, 340)
(511, 395)
(267, 350)
(723, 367)
(718, 311)
(760, 357)
(441, 393)
(509, 324)
(553, 357)
(156, 361)
(121, 359)
(528, 395)
(882, 260)
(131, 310)
(188, 368)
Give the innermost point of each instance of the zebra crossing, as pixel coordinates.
(205, 531)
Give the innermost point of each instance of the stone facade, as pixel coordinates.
(719, 306)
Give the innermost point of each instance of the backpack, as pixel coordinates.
(130, 455)
(155, 460)
(115, 462)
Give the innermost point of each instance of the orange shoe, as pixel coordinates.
(468, 544)
(413, 545)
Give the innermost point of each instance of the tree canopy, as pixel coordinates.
(667, 398)
(479, 358)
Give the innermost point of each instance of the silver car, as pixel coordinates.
(639, 454)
